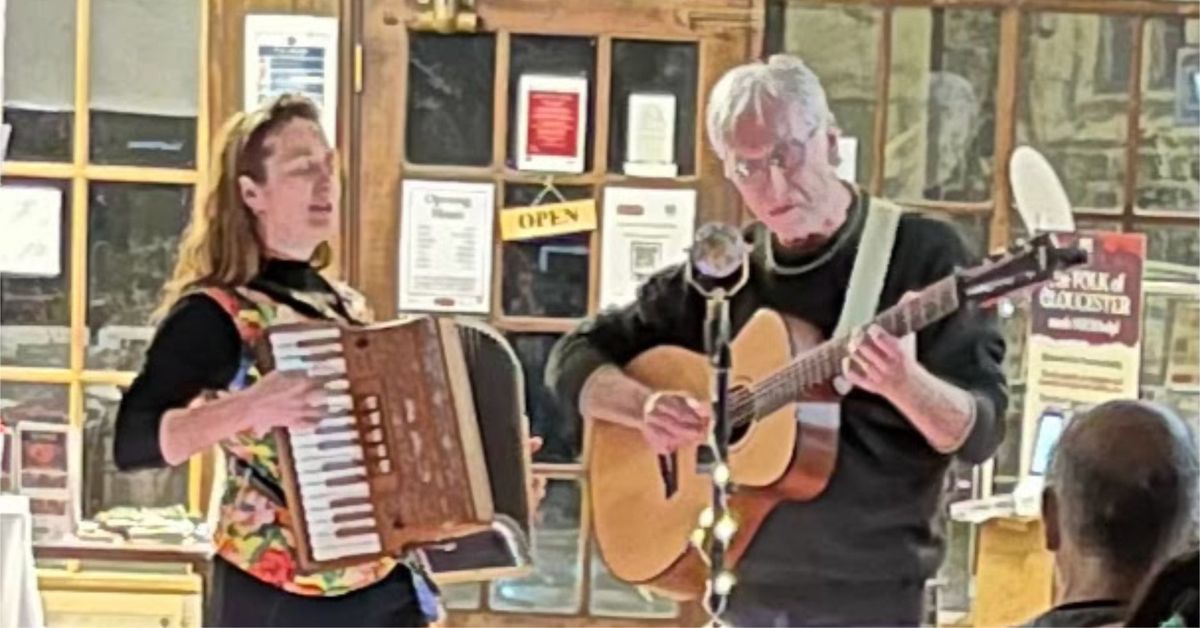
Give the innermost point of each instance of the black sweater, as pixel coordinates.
(877, 518)
(196, 348)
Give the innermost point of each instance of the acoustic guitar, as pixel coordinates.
(645, 509)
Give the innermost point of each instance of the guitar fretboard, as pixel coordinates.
(823, 363)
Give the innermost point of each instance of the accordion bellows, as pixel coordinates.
(420, 448)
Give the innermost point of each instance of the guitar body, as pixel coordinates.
(643, 530)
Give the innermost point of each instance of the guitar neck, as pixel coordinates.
(823, 363)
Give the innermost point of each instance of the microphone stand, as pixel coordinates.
(712, 456)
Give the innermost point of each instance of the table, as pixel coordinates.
(20, 604)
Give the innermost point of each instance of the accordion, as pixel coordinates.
(420, 449)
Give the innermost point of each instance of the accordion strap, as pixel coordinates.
(249, 331)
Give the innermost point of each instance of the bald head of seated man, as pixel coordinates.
(1120, 500)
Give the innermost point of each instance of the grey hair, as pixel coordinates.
(1125, 474)
(746, 89)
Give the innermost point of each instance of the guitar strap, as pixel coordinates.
(870, 266)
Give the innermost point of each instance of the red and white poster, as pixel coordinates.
(1085, 331)
(551, 123)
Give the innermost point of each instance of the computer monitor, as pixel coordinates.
(1050, 428)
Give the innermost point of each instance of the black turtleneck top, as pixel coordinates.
(196, 348)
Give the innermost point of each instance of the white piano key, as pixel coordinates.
(348, 434)
(344, 491)
(332, 366)
(319, 528)
(292, 350)
(326, 516)
(325, 476)
(341, 420)
(317, 447)
(336, 403)
(290, 338)
(338, 385)
(351, 546)
(321, 464)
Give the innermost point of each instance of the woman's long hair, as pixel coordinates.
(222, 245)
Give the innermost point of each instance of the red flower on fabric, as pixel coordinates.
(274, 566)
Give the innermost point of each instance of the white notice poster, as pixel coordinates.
(293, 53)
(30, 230)
(644, 230)
(446, 246)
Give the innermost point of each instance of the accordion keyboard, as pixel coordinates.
(329, 458)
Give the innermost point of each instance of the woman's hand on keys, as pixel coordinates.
(283, 399)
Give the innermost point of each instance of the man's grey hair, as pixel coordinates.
(747, 89)
(1125, 475)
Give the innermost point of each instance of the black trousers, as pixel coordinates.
(887, 603)
(238, 599)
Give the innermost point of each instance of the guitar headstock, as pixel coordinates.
(1024, 265)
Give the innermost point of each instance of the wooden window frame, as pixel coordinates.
(80, 173)
(1000, 207)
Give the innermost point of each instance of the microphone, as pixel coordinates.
(1040, 198)
(718, 251)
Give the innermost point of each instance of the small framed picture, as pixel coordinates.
(52, 516)
(43, 457)
(551, 123)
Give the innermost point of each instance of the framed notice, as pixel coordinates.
(293, 53)
(650, 136)
(446, 246)
(645, 230)
(30, 230)
(551, 123)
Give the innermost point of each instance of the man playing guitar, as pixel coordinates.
(860, 552)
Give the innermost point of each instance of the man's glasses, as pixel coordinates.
(788, 156)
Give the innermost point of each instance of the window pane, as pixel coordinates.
(1015, 329)
(554, 587)
(450, 99)
(648, 66)
(1171, 250)
(1074, 94)
(941, 104)
(105, 487)
(35, 312)
(133, 233)
(545, 276)
(555, 56)
(1157, 329)
(39, 78)
(26, 401)
(1168, 166)
(972, 227)
(561, 436)
(136, 120)
(611, 597)
(840, 44)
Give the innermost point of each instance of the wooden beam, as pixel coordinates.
(883, 76)
(381, 158)
(1107, 7)
(35, 375)
(660, 20)
(1133, 122)
(1006, 111)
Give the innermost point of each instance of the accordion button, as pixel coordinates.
(371, 402)
(374, 419)
(381, 451)
(375, 436)
(385, 466)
